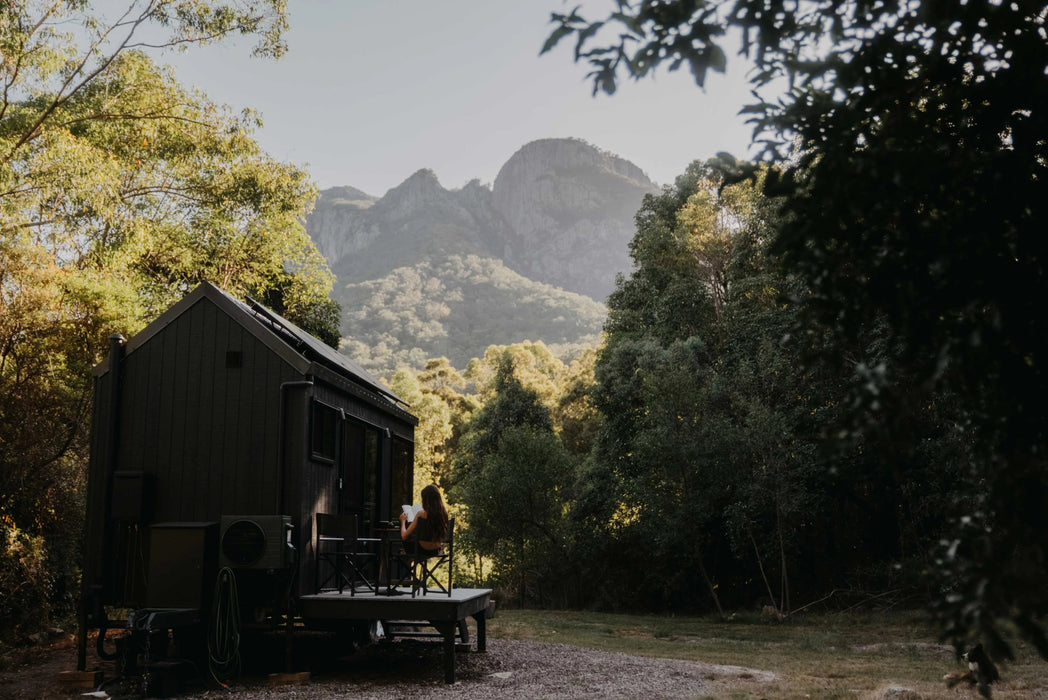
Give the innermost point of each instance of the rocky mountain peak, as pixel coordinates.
(423, 178)
(560, 212)
(421, 189)
(570, 208)
(546, 156)
(426, 271)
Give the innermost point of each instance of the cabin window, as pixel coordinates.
(362, 465)
(324, 433)
(401, 487)
(353, 467)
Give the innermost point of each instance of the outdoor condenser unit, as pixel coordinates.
(255, 542)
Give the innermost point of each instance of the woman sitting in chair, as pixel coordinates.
(426, 534)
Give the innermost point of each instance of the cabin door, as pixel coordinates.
(360, 473)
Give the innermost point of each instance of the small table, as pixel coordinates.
(384, 573)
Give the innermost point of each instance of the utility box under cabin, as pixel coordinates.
(219, 431)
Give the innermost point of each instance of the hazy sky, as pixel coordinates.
(372, 90)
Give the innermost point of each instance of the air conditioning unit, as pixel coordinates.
(255, 542)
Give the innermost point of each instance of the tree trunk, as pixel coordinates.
(764, 577)
(523, 573)
(784, 595)
(709, 584)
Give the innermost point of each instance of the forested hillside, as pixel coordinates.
(544, 244)
(455, 307)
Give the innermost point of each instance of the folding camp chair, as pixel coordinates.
(346, 555)
(421, 566)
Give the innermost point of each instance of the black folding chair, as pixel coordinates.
(421, 566)
(346, 555)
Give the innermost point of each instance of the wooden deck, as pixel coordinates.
(440, 610)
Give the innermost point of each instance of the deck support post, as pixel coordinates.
(448, 630)
(482, 630)
(448, 615)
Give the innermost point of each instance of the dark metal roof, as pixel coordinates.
(274, 330)
(312, 348)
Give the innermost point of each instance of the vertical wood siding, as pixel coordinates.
(206, 431)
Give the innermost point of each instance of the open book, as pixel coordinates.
(411, 511)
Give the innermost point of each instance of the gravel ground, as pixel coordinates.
(413, 668)
(508, 669)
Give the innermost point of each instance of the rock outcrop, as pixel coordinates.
(337, 225)
(543, 244)
(569, 209)
(560, 212)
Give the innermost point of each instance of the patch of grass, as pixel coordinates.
(845, 655)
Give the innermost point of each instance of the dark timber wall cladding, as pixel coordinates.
(215, 404)
(206, 430)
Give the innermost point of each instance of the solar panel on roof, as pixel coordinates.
(300, 340)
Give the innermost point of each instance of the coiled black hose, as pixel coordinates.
(223, 638)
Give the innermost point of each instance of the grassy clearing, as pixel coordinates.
(843, 655)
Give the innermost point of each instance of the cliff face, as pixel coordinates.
(337, 224)
(416, 221)
(560, 212)
(569, 209)
(424, 271)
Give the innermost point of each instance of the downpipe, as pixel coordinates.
(282, 440)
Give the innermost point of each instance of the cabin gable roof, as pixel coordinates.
(294, 346)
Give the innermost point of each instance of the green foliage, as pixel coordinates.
(510, 477)
(120, 190)
(442, 380)
(24, 578)
(708, 471)
(475, 412)
(452, 307)
(434, 429)
(667, 452)
(532, 364)
(574, 414)
(664, 299)
(307, 306)
(913, 200)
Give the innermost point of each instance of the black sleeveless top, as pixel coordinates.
(424, 533)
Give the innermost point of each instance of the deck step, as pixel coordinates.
(279, 679)
(410, 629)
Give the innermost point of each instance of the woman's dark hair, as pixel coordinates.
(436, 513)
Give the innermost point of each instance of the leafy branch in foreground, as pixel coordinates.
(911, 137)
(46, 63)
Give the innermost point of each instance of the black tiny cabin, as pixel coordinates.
(219, 431)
